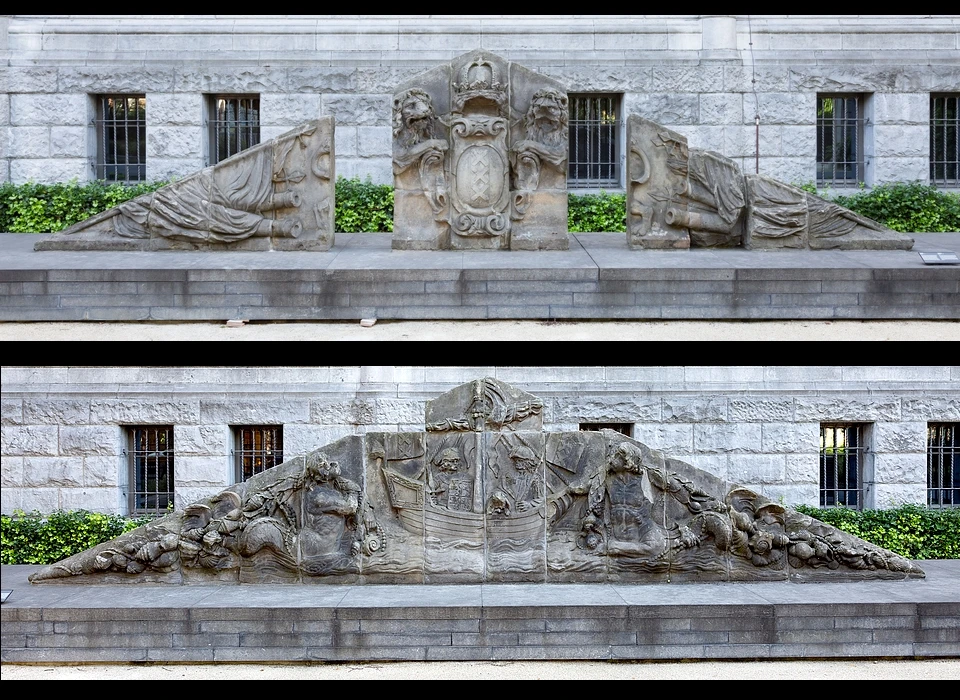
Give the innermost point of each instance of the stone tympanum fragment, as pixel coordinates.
(482, 494)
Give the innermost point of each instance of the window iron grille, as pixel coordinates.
(594, 133)
(945, 140)
(258, 448)
(121, 127)
(234, 125)
(842, 454)
(150, 460)
(625, 428)
(839, 140)
(943, 467)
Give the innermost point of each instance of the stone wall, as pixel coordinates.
(63, 438)
(704, 77)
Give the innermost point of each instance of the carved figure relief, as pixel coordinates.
(681, 197)
(482, 493)
(277, 195)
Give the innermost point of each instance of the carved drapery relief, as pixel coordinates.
(483, 494)
(681, 197)
(275, 195)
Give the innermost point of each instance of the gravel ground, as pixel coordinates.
(492, 330)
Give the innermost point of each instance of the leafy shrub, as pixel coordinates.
(363, 206)
(38, 208)
(908, 207)
(912, 531)
(32, 538)
(597, 213)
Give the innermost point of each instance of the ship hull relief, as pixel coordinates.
(482, 494)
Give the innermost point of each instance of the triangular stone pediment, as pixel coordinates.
(483, 494)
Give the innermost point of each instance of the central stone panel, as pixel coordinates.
(480, 158)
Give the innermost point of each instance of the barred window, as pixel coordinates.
(595, 149)
(149, 458)
(839, 140)
(234, 125)
(842, 454)
(943, 467)
(256, 449)
(625, 428)
(944, 148)
(121, 126)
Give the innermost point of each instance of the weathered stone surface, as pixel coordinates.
(899, 437)
(756, 469)
(895, 495)
(11, 412)
(277, 195)
(176, 109)
(202, 439)
(790, 437)
(900, 468)
(59, 109)
(481, 494)
(362, 110)
(399, 411)
(694, 410)
(355, 411)
(90, 440)
(751, 410)
(56, 412)
(29, 141)
(12, 474)
(254, 412)
(847, 410)
(66, 140)
(721, 437)
(29, 440)
(101, 471)
(146, 411)
(934, 409)
(612, 409)
(53, 471)
(670, 109)
(480, 158)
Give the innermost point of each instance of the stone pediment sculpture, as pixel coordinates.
(277, 195)
(480, 158)
(681, 197)
(482, 494)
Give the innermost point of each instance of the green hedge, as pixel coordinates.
(362, 206)
(32, 538)
(912, 531)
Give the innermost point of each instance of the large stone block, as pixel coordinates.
(900, 468)
(145, 411)
(942, 409)
(57, 412)
(790, 437)
(91, 440)
(32, 79)
(902, 108)
(29, 141)
(100, 471)
(67, 141)
(176, 109)
(12, 474)
(115, 78)
(173, 141)
(201, 439)
(756, 469)
(902, 141)
(53, 471)
(103, 500)
(744, 438)
(895, 495)
(839, 409)
(676, 439)
(755, 409)
(59, 109)
(11, 412)
(720, 108)
(899, 437)
(682, 409)
(264, 411)
(360, 110)
(286, 110)
(29, 440)
(612, 409)
(671, 109)
(50, 171)
(192, 470)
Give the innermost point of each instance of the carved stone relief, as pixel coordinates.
(277, 195)
(483, 494)
(479, 158)
(681, 197)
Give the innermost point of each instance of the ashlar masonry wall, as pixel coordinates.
(707, 77)
(64, 428)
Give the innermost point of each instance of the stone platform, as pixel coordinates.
(362, 277)
(70, 623)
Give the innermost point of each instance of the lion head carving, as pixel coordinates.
(546, 119)
(413, 118)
